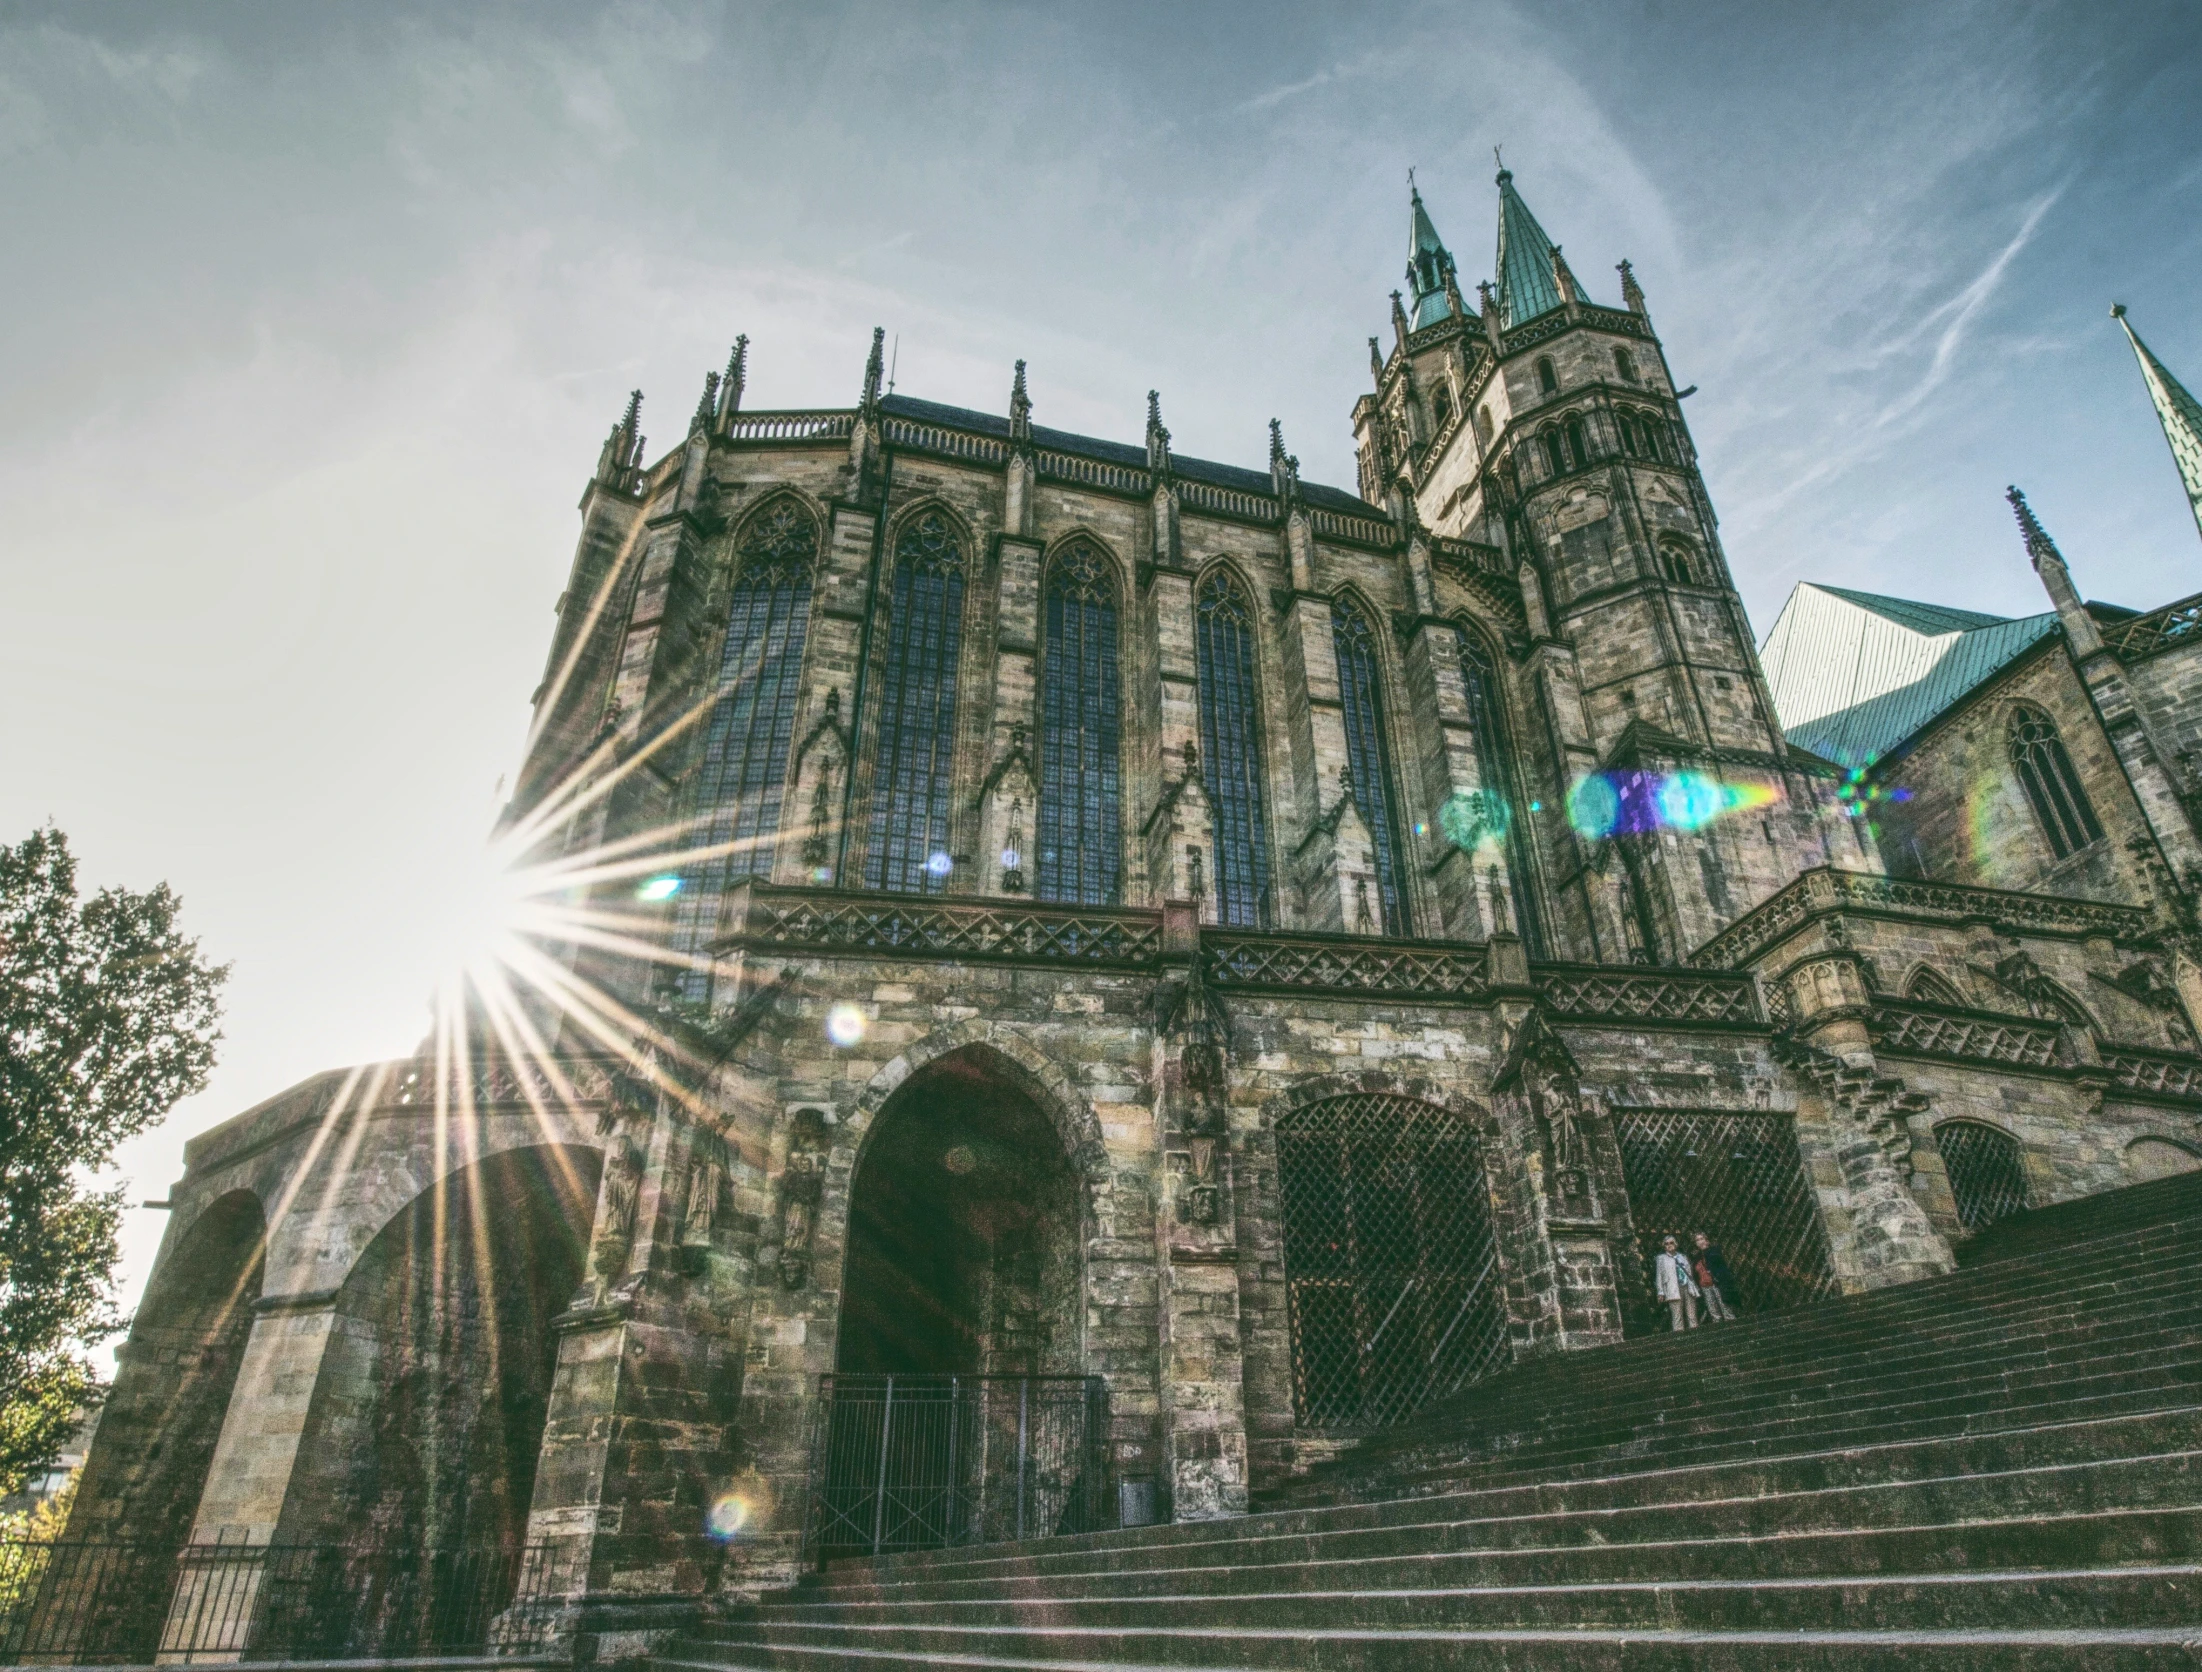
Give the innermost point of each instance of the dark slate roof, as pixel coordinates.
(1125, 454)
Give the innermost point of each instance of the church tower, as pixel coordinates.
(1544, 432)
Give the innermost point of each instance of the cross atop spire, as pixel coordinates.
(1526, 269)
(2176, 410)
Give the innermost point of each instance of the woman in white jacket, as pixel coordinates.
(1676, 1284)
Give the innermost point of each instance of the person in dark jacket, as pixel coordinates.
(1715, 1281)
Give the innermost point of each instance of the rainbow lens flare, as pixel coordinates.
(1602, 804)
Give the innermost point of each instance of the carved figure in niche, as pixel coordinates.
(614, 1240)
(802, 1182)
(1539, 1069)
(2017, 973)
(1502, 915)
(706, 1183)
(1194, 1021)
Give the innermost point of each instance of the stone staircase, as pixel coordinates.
(2000, 1468)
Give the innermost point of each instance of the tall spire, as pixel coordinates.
(1525, 266)
(1429, 265)
(2176, 410)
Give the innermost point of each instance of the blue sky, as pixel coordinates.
(317, 315)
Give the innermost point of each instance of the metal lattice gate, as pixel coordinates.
(1987, 1176)
(1391, 1270)
(1738, 1178)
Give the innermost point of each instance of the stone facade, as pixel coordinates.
(581, 1298)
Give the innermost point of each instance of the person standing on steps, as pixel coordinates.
(1710, 1268)
(1676, 1284)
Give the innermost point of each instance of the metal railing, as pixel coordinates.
(923, 1462)
(87, 1602)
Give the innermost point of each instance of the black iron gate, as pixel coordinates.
(919, 1462)
(1391, 1270)
(1987, 1173)
(1738, 1178)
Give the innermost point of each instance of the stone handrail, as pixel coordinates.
(938, 926)
(1649, 995)
(2152, 1073)
(2147, 635)
(1908, 1028)
(790, 426)
(1344, 964)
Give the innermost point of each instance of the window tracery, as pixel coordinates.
(2052, 787)
(1081, 821)
(742, 776)
(1360, 686)
(1231, 751)
(908, 849)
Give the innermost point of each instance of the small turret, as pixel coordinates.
(1284, 469)
(621, 456)
(1632, 293)
(1399, 321)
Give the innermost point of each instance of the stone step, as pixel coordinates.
(2068, 1598)
(2100, 1649)
(2114, 1389)
(2096, 1442)
(2109, 1212)
(2173, 1481)
(2102, 1538)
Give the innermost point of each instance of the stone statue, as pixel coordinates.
(802, 1183)
(706, 1180)
(614, 1240)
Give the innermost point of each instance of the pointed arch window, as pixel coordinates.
(1081, 790)
(1495, 771)
(1578, 446)
(1360, 686)
(1555, 460)
(1441, 407)
(1548, 380)
(908, 849)
(745, 750)
(1629, 442)
(2052, 787)
(1930, 988)
(1231, 751)
(1675, 561)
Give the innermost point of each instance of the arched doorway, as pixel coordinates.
(1987, 1172)
(140, 1490)
(963, 1239)
(417, 1465)
(958, 1411)
(1392, 1276)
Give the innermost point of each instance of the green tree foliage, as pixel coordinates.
(108, 1018)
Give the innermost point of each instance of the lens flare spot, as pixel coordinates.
(1594, 806)
(940, 865)
(1473, 819)
(658, 888)
(728, 1515)
(961, 1160)
(846, 1024)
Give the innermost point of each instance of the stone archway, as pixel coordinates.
(964, 1233)
(427, 1415)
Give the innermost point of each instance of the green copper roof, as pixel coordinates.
(2177, 411)
(1427, 263)
(1526, 285)
(1854, 674)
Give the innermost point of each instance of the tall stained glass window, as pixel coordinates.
(1360, 686)
(745, 748)
(1231, 751)
(2052, 787)
(1503, 810)
(908, 850)
(1081, 818)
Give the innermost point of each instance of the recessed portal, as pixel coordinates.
(963, 1233)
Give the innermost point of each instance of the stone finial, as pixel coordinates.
(1376, 363)
(1562, 276)
(2039, 546)
(1490, 313)
(1284, 469)
(875, 368)
(1453, 298)
(1632, 293)
(706, 404)
(1399, 319)
(622, 450)
(1020, 407)
(737, 374)
(1158, 437)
